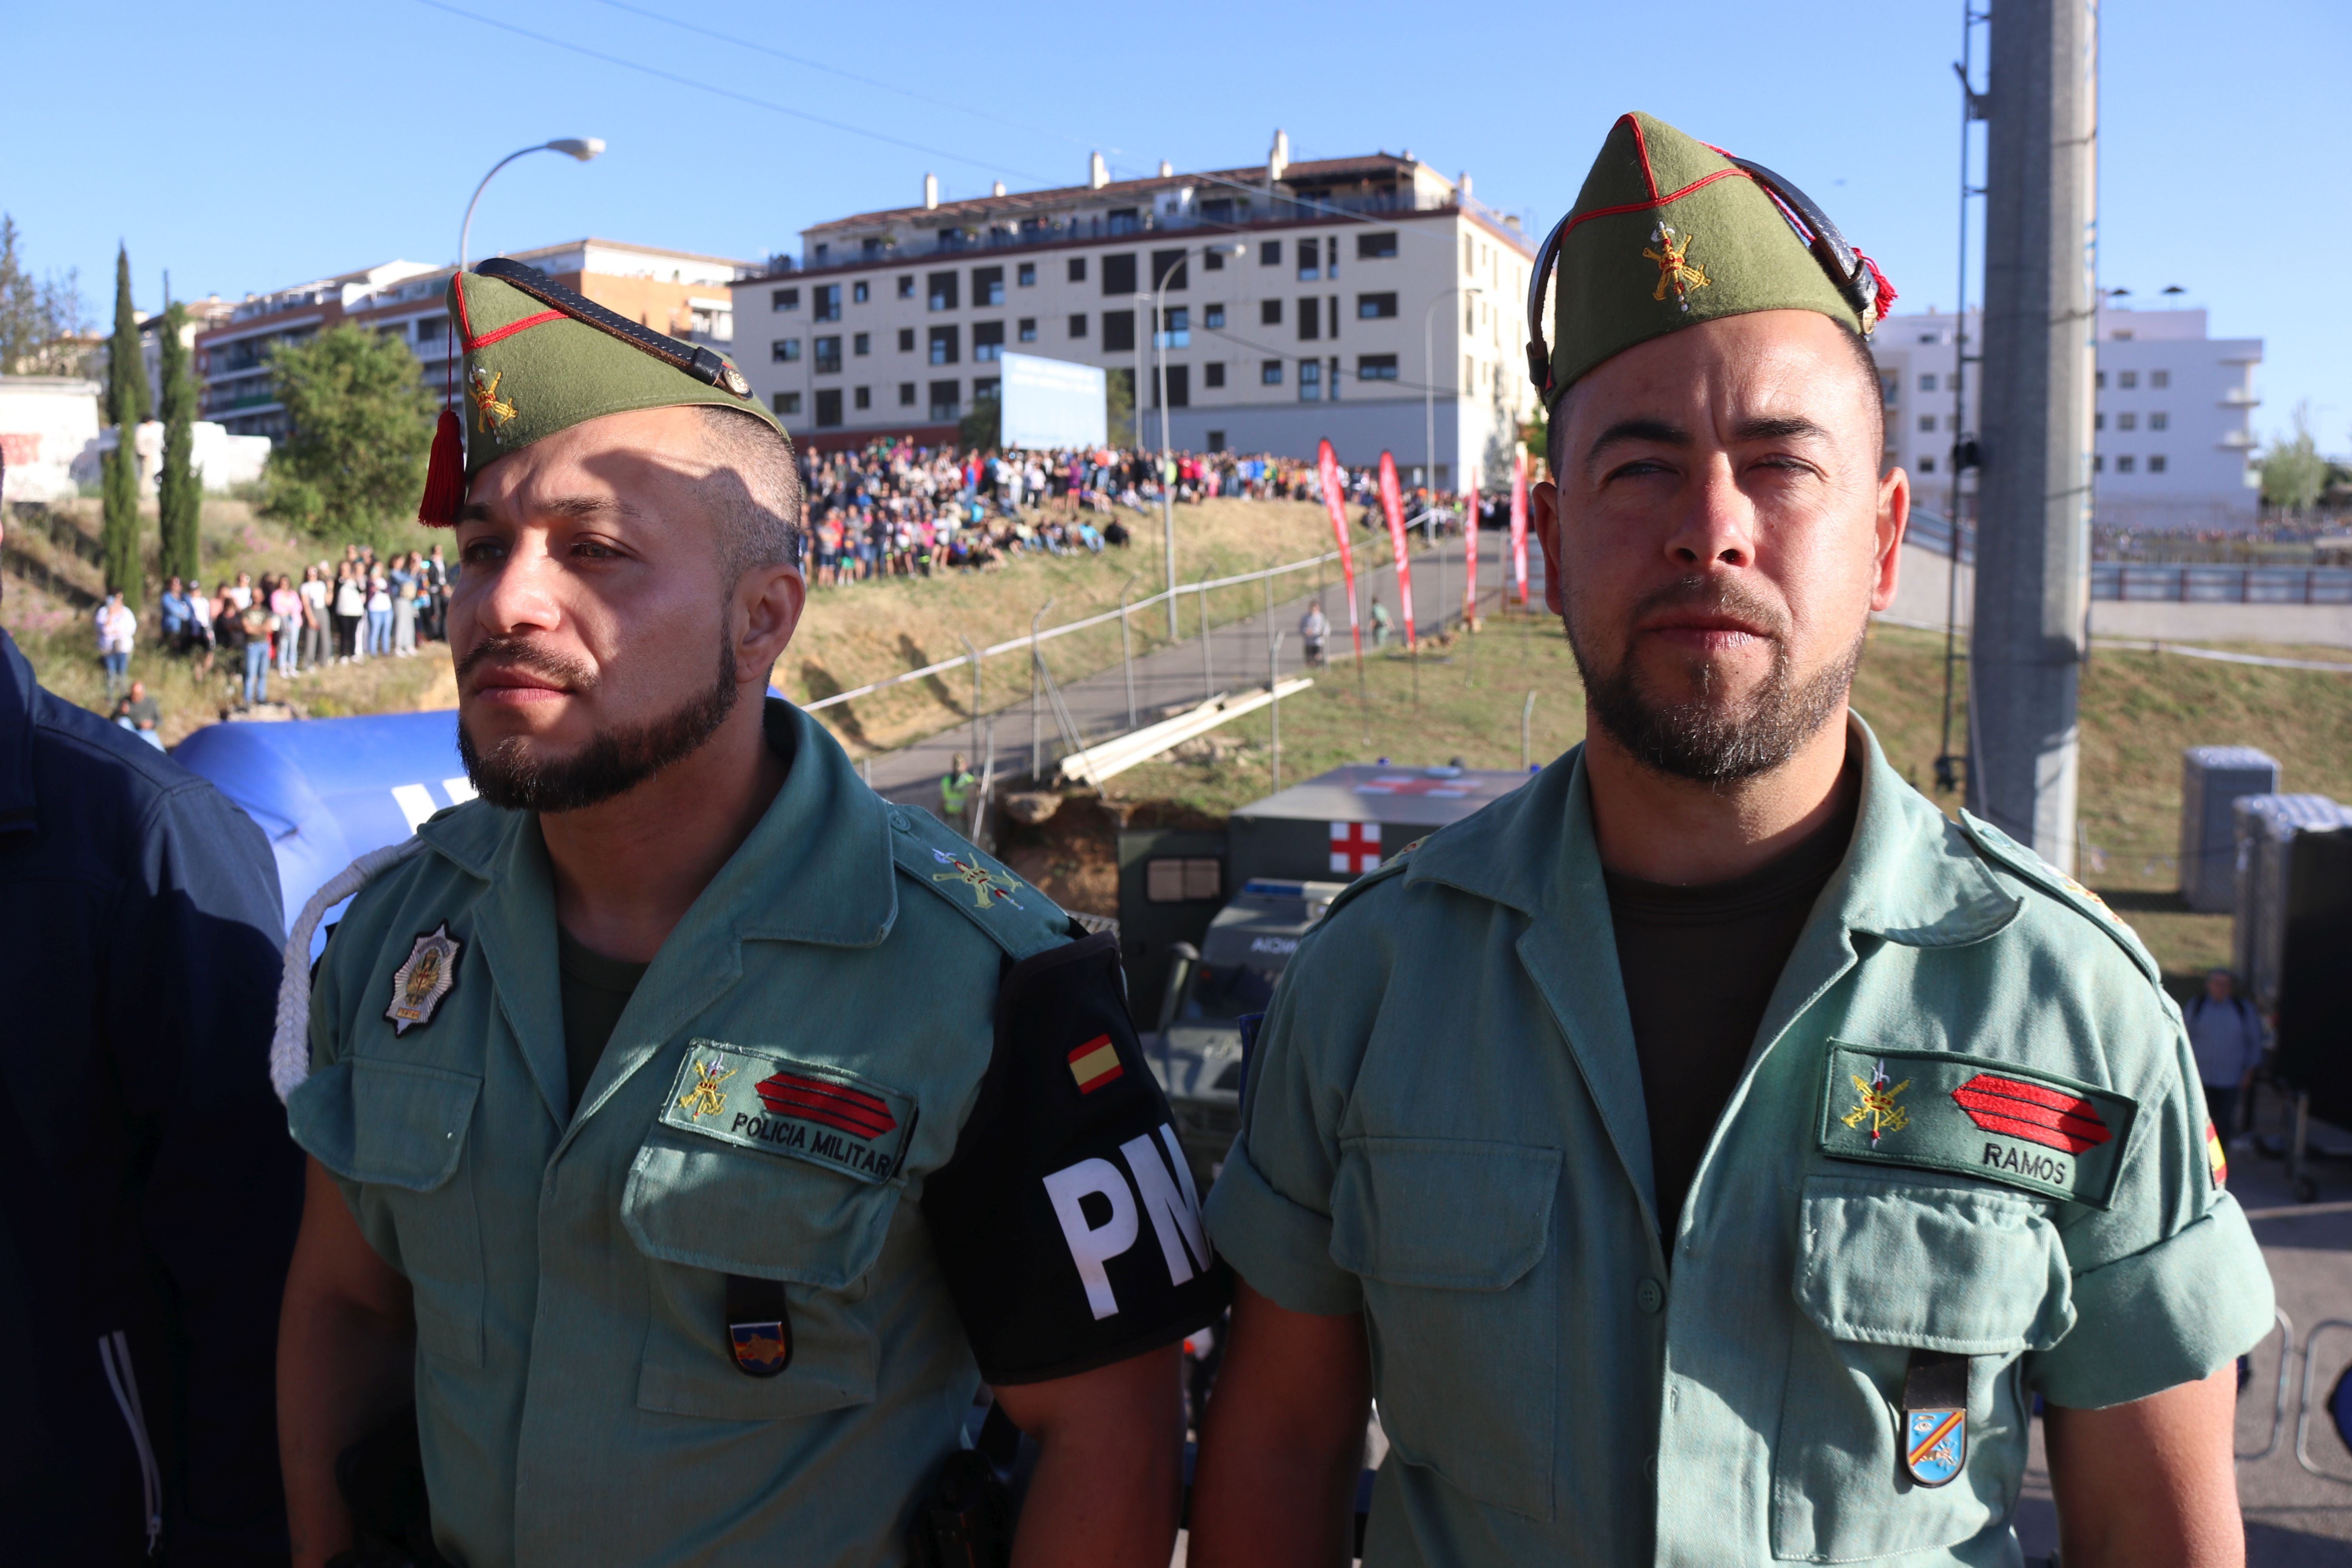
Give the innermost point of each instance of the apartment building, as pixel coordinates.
(2171, 448)
(1291, 302)
(676, 291)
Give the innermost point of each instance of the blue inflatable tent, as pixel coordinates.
(327, 790)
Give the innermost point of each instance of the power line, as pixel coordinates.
(724, 92)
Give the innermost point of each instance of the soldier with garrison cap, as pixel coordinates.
(1709, 1153)
(690, 1128)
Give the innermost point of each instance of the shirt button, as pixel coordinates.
(898, 821)
(1651, 1294)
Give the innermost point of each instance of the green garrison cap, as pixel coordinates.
(541, 358)
(1669, 232)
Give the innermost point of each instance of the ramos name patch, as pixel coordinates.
(822, 1114)
(1998, 1120)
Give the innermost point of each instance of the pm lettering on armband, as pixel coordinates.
(1102, 1209)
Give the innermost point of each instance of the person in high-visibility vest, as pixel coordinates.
(955, 788)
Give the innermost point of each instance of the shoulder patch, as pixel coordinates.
(2031, 868)
(1016, 917)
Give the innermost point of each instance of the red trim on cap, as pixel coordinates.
(1641, 146)
(1654, 202)
(465, 322)
(511, 329)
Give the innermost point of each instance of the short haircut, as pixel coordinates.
(760, 513)
(1856, 345)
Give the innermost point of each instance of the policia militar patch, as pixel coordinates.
(2005, 1123)
(821, 1114)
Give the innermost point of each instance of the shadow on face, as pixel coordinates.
(1717, 532)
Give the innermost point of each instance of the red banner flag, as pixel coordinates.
(1519, 525)
(1327, 463)
(1393, 503)
(1469, 559)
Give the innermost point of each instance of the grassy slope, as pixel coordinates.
(2138, 712)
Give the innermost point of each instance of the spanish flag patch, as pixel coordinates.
(2215, 1157)
(1095, 1064)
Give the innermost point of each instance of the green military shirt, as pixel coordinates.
(1443, 1129)
(853, 1067)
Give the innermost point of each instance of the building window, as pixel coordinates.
(906, 395)
(1118, 274)
(1167, 271)
(828, 354)
(1311, 380)
(431, 329)
(2126, 421)
(784, 299)
(943, 402)
(1310, 319)
(2160, 379)
(1376, 247)
(1310, 254)
(988, 286)
(1078, 268)
(828, 407)
(2099, 379)
(1334, 378)
(1926, 422)
(1213, 375)
(1027, 276)
(2159, 421)
(863, 397)
(2098, 462)
(2156, 463)
(943, 345)
(828, 302)
(1213, 260)
(1213, 317)
(1927, 465)
(943, 291)
(788, 402)
(1375, 307)
(987, 342)
(1123, 220)
(2124, 465)
(1216, 440)
(906, 285)
(1928, 382)
(906, 339)
(2128, 380)
(1027, 331)
(785, 351)
(859, 293)
(1269, 253)
(1179, 385)
(1270, 373)
(986, 386)
(1890, 387)
(1175, 328)
(862, 344)
(1078, 325)
(1269, 312)
(2098, 421)
(1119, 330)
(1376, 367)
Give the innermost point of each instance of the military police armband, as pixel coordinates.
(1068, 1224)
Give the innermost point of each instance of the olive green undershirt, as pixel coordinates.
(596, 989)
(1700, 965)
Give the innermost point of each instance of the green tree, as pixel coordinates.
(360, 425)
(1118, 406)
(2293, 473)
(179, 497)
(40, 319)
(981, 427)
(126, 404)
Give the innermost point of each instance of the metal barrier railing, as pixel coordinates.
(2303, 1415)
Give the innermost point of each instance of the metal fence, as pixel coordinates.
(2216, 585)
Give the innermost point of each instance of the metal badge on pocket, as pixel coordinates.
(418, 985)
(1936, 1417)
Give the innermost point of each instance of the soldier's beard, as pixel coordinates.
(1709, 739)
(515, 776)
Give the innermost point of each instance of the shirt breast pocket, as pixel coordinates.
(1885, 1267)
(700, 1211)
(1451, 1239)
(398, 1129)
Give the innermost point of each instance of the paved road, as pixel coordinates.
(1174, 676)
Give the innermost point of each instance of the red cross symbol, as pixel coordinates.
(1444, 789)
(1355, 847)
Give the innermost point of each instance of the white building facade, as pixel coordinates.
(1297, 302)
(2172, 450)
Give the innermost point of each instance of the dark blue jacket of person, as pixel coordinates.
(149, 1194)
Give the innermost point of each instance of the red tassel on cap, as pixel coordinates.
(445, 476)
(1886, 292)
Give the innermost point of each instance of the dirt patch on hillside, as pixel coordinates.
(1072, 854)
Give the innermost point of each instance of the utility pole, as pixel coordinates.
(2033, 508)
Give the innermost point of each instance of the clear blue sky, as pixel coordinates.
(245, 147)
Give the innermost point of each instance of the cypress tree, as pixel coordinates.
(126, 404)
(178, 495)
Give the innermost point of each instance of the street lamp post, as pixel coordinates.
(1160, 354)
(581, 147)
(1429, 422)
